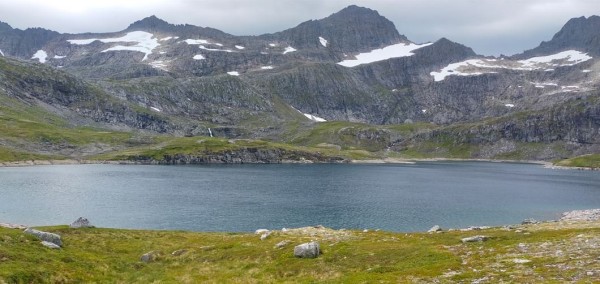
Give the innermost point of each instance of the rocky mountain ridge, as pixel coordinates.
(352, 66)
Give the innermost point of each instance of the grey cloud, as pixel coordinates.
(488, 26)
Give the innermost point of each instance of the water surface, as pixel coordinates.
(247, 197)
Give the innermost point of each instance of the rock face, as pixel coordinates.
(45, 236)
(81, 223)
(307, 250)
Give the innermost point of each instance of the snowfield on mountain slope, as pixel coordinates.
(40, 55)
(144, 42)
(474, 67)
(388, 52)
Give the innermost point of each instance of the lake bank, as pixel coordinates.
(563, 251)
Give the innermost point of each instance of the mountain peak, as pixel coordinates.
(151, 23)
(579, 33)
(352, 29)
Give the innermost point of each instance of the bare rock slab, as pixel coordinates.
(44, 236)
(474, 239)
(307, 250)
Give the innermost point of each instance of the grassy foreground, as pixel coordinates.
(551, 252)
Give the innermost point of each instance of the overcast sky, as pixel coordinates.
(490, 27)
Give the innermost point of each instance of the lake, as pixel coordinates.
(393, 197)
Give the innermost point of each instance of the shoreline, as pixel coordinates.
(545, 164)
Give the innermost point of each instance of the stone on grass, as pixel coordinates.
(44, 236)
(307, 250)
(149, 256)
(282, 244)
(81, 223)
(265, 236)
(434, 229)
(261, 231)
(179, 252)
(50, 245)
(473, 239)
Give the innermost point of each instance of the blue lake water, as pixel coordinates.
(247, 197)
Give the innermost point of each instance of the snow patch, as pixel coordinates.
(144, 42)
(1, 53)
(40, 55)
(162, 52)
(323, 41)
(266, 67)
(234, 73)
(165, 39)
(59, 57)
(196, 41)
(509, 105)
(473, 67)
(159, 64)
(264, 53)
(289, 49)
(239, 47)
(570, 58)
(314, 118)
(155, 109)
(424, 111)
(273, 44)
(584, 71)
(218, 44)
(199, 57)
(214, 49)
(391, 51)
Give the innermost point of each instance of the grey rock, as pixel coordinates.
(282, 244)
(179, 252)
(81, 223)
(307, 250)
(529, 221)
(434, 229)
(50, 245)
(44, 236)
(473, 239)
(149, 256)
(265, 236)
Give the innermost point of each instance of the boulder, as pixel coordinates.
(81, 223)
(434, 229)
(529, 221)
(265, 236)
(50, 245)
(261, 231)
(478, 238)
(149, 256)
(307, 250)
(44, 236)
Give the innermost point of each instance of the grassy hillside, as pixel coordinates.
(551, 252)
(586, 161)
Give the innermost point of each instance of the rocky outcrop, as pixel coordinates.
(307, 250)
(44, 236)
(581, 215)
(242, 156)
(81, 223)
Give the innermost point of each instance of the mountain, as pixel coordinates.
(578, 33)
(353, 67)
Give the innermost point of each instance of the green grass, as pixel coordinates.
(586, 161)
(113, 256)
